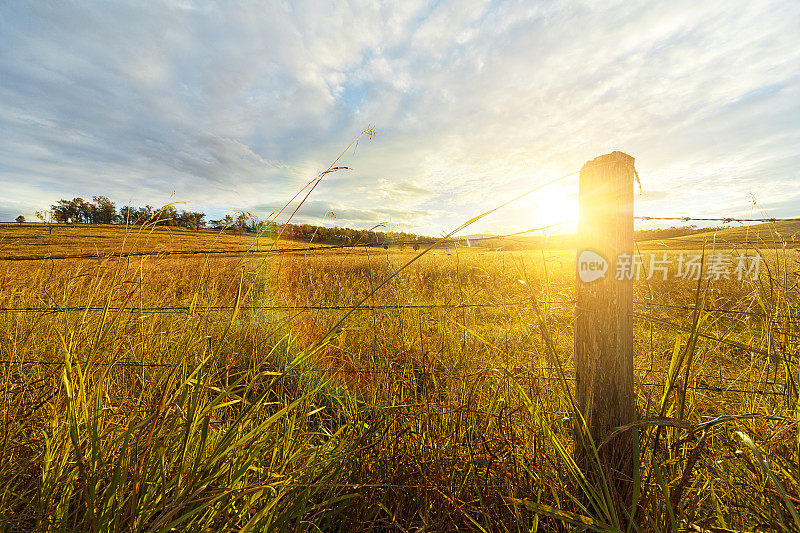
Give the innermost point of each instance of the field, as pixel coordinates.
(364, 389)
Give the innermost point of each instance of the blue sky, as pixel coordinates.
(236, 106)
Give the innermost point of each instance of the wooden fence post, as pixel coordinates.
(603, 322)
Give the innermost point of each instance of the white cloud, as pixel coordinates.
(473, 102)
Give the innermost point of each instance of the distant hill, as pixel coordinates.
(521, 242)
(767, 235)
(476, 237)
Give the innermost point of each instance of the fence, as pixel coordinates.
(604, 310)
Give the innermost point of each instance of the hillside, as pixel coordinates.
(42, 240)
(767, 235)
(55, 240)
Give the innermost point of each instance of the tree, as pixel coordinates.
(103, 210)
(64, 211)
(240, 226)
(46, 217)
(75, 210)
(143, 214)
(166, 216)
(20, 219)
(127, 215)
(84, 210)
(197, 220)
(191, 219)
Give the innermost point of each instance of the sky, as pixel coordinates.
(235, 106)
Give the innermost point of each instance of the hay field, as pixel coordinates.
(243, 391)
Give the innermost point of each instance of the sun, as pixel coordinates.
(555, 206)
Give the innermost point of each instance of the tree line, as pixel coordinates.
(671, 232)
(101, 210)
(350, 236)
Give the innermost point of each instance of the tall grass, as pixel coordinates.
(407, 419)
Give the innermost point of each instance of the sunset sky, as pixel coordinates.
(236, 107)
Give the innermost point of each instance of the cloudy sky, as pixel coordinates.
(236, 106)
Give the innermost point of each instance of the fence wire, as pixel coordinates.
(527, 374)
(419, 243)
(531, 373)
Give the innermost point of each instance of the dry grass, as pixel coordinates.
(69, 239)
(410, 418)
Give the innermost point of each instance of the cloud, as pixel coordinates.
(237, 107)
(336, 214)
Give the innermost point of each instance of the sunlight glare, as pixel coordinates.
(555, 206)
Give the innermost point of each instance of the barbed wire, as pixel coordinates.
(165, 253)
(703, 335)
(721, 219)
(532, 372)
(443, 244)
(200, 308)
(276, 251)
(702, 309)
(525, 305)
(402, 370)
(712, 383)
(675, 242)
(462, 375)
(422, 242)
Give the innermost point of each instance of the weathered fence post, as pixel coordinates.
(603, 322)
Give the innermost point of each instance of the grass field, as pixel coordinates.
(241, 391)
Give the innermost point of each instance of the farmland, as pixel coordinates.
(365, 388)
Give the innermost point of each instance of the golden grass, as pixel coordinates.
(434, 418)
(70, 239)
